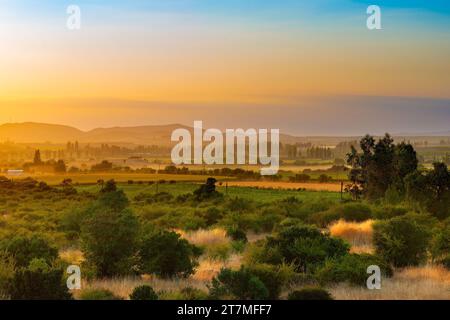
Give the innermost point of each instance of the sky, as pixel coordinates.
(249, 57)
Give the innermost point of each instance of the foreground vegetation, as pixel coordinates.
(178, 240)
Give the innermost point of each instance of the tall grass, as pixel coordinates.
(415, 283)
(358, 234)
(204, 237)
(123, 287)
(73, 256)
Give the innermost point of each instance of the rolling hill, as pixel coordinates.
(32, 132)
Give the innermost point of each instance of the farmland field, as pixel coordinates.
(256, 208)
(335, 187)
(92, 178)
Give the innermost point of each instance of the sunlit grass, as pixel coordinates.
(359, 235)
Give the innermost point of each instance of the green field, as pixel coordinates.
(92, 178)
(258, 195)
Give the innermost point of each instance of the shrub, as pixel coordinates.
(388, 212)
(352, 212)
(164, 253)
(238, 205)
(39, 284)
(401, 241)
(187, 293)
(237, 234)
(154, 198)
(241, 284)
(113, 200)
(212, 215)
(7, 270)
(98, 294)
(305, 246)
(109, 236)
(190, 293)
(351, 268)
(110, 186)
(24, 250)
(143, 293)
(268, 219)
(273, 277)
(207, 190)
(310, 293)
(430, 189)
(393, 195)
(445, 261)
(440, 244)
(218, 251)
(72, 221)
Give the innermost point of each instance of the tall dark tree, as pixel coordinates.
(379, 166)
(60, 166)
(405, 160)
(109, 235)
(431, 190)
(207, 190)
(37, 157)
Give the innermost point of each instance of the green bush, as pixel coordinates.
(187, 293)
(273, 277)
(219, 251)
(445, 261)
(310, 293)
(212, 215)
(237, 234)
(241, 284)
(7, 270)
(440, 244)
(109, 235)
(207, 191)
(39, 284)
(305, 246)
(164, 253)
(143, 293)
(24, 250)
(71, 222)
(238, 205)
(267, 220)
(388, 212)
(357, 212)
(98, 294)
(401, 241)
(351, 268)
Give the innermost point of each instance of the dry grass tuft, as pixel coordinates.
(414, 283)
(203, 237)
(206, 270)
(359, 235)
(209, 268)
(123, 287)
(73, 256)
(253, 237)
(428, 272)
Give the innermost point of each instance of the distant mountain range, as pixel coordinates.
(31, 132)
